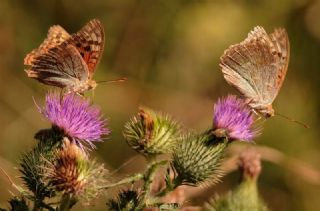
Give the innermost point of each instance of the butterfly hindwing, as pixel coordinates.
(280, 38)
(90, 43)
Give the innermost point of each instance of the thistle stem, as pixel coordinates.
(148, 178)
(67, 202)
(170, 186)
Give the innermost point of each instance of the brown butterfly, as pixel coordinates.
(257, 67)
(68, 61)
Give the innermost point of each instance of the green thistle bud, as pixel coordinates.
(198, 159)
(250, 164)
(127, 200)
(245, 196)
(72, 173)
(151, 133)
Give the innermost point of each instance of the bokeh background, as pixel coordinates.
(169, 51)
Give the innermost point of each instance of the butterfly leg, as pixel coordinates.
(257, 114)
(61, 94)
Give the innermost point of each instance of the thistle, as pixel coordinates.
(127, 200)
(197, 159)
(75, 118)
(245, 196)
(151, 133)
(233, 119)
(71, 173)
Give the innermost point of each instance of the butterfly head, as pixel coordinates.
(267, 111)
(92, 84)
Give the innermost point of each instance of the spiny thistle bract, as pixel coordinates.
(245, 196)
(17, 204)
(29, 166)
(127, 200)
(151, 133)
(233, 119)
(72, 173)
(75, 117)
(198, 158)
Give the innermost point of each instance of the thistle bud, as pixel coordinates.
(245, 196)
(151, 133)
(72, 173)
(197, 159)
(126, 200)
(249, 164)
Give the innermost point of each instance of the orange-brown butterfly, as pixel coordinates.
(257, 67)
(68, 61)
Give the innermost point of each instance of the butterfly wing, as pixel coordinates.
(56, 35)
(257, 66)
(90, 43)
(281, 41)
(61, 66)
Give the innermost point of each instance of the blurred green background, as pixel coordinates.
(169, 50)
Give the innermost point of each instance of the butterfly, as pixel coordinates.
(68, 61)
(257, 66)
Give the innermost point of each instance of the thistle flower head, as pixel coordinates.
(71, 172)
(233, 119)
(75, 117)
(151, 133)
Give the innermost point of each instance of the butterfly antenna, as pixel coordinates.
(120, 80)
(292, 120)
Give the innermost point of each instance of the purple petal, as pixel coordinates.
(233, 115)
(76, 117)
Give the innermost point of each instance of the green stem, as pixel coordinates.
(170, 186)
(148, 178)
(131, 179)
(67, 202)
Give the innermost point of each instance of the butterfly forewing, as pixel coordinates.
(56, 36)
(61, 66)
(90, 43)
(257, 66)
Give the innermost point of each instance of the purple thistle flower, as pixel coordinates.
(233, 119)
(76, 117)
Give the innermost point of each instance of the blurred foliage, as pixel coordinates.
(169, 51)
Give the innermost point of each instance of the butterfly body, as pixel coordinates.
(257, 66)
(68, 61)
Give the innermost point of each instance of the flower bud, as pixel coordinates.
(151, 133)
(72, 173)
(198, 158)
(126, 200)
(245, 196)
